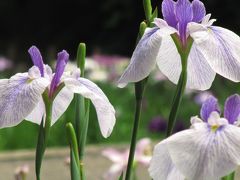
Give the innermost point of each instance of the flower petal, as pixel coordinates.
(104, 109)
(210, 105)
(144, 56)
(161, 165)
(199, 11)
(61, 63)
(61, 103)
(19, 96)
(112, 154)
(222, 51)
(184, 15)
(168, 11)
(199, 152)
(37, 59)
(200, 75)
(232, 108)
(37, 114)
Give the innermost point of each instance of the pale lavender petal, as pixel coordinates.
(210, 105)
(222, 51)
(104, 109)
(61, 63)
(199, 152)
(168, 11)
(19, 96)
(232, 108)
(184, 15)
(199, 11)
(37, 58)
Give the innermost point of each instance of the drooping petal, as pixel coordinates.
(232, 108)
(61, 63)
(114, 172)
(199, 11)
(38, 113)
(61, 103)
(37, 59)
(19, 96)
(144, 56)
(222, 52)
(200, 152)
(210, 105)
(200, 75)
(161, 165)
(104, 109)
(168, 11)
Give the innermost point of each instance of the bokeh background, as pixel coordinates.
(109, 28)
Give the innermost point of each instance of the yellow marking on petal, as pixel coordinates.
(214, 128)
(29, 80)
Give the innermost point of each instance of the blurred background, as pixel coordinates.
(109, 28)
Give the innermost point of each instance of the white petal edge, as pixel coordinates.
(202, 154)
(144, 56)
(104, 109)
(161, 165)
(19, 95)
(222, 51)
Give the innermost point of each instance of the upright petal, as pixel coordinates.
(210, 105)
(232, 108)
(19, 96)
(61, 63)
(104, 109)
(199, 152)
(161, 165)
(168, 11)
(37, 59)
(199, 11)
(184, 15)
(222, 52)
(200, 75)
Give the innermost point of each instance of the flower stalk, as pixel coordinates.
(139, 89)
(82, 111)
(43, 134)
(184, 51)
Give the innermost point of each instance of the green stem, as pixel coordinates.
(229, 177)
(184, 53)
(43, 134)
(139, 90)
(82, 111)
(73, 141)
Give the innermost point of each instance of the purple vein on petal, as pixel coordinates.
(168, 11)
(61, 63)
(37, 58)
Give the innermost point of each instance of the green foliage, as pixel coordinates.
(157, 101)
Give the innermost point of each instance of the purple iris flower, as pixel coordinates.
(214, 49)
(21, 96)
(208, 150)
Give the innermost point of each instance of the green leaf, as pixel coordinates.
(75, 174)
(81, 54)
(121, 177)
(154, 15)
(40, 150)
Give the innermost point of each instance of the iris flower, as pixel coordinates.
(21, 96)
(209, 150)
(214, 49)
(120, 159)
